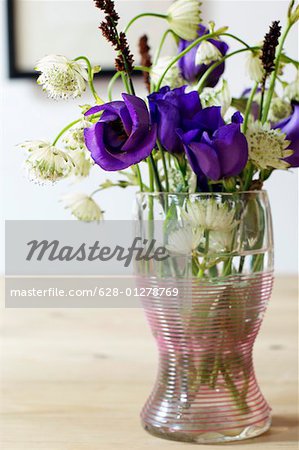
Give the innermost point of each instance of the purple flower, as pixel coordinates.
(221, 151)
(172, 110)
(123, 135)
(192, 72)
(290, 127)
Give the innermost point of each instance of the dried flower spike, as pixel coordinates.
(268, 55)
(124, 61)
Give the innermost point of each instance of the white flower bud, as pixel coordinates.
(217, 97)
(172, 78)
(83, 207)
(254, 67)
(184, 17)
(207, 53)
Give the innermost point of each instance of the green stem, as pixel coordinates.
(248, 176)
(125, 82)
(95, 192)
(90, 78)
(142, 68)
(275, 73)
(262, 99)
(111, 84)
(183, 53)
(118, 74)
(248, 107)
(139, 177)
(156, 174)
(237, 397)
(236, 38)
(164, 166)
(158, 52)
(288, 60)
(70, 125)
(203, 79)
(161, 16)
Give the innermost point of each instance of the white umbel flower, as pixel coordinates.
(217, 97)
(62, 77)
(82, 162)
(173, 78)
(267, 147)
(74, 138)
(184, 241)
(254, 67)
(292, 90)
(209, 215)
(83, 207)
(207, 53)
(184, 17)
(47, 162)
(220, 241)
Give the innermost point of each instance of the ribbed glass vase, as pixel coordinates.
(205, 304)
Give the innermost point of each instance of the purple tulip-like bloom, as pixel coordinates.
(172, 110)
(123, 135)
(219, 152)
(192, 72)
(290, 127)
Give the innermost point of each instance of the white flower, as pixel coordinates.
(209, 215)
(292, 90)
(217, 97)
(184, 241)
(207, 53)
(74, 138)
(172, 78)
(47, 162)
(83, 207)
(254, 67)
(267, 147)
(82, 162)
(279, 110)
(220, 241)
(184, 17)
(62, 77)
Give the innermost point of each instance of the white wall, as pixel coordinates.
(28, 114)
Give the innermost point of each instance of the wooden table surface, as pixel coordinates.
(77, 379)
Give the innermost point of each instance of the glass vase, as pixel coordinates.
(205, 304)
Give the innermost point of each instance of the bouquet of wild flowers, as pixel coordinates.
(189, 131)
(188, 136)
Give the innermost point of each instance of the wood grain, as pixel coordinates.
(77, 379)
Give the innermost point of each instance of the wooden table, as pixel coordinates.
(77, 379)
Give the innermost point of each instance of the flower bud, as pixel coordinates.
(184, 18)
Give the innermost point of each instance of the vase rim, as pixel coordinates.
(203, 194)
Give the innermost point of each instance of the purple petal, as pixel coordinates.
(94, 139)
(140, 121)
(290, 127)
(237, 117)
(192, 72)
(208, 119)
(168, 122)
(232, 149)
(113, 107)
(203, 158)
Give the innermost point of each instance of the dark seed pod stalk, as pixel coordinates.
(124, 61)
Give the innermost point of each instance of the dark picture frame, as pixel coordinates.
(15, 69)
